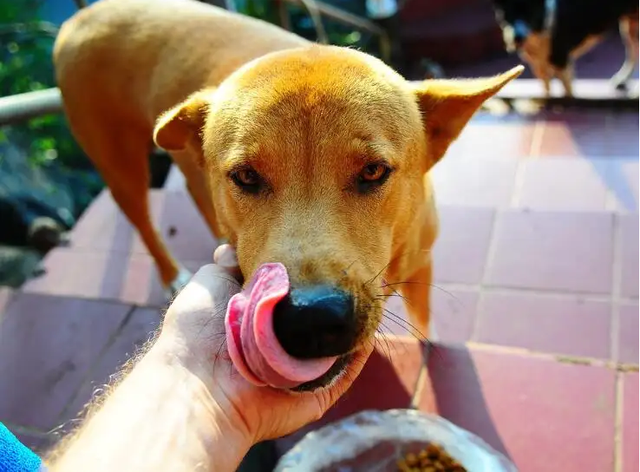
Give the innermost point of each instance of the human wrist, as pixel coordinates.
(223, 428)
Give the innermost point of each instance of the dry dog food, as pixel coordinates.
(433, 458)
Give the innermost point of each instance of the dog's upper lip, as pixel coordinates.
(253, 346)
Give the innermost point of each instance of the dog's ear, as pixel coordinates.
(448, 105)
(177, 125)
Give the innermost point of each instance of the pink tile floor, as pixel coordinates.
(535, 300)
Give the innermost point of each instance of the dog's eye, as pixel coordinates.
(373, 176)
(247, 179)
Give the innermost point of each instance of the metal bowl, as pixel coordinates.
(373, 441)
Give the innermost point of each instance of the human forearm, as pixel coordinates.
(160, 418)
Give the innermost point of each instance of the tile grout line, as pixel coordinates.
(421, 383)
(556, 294)
(616, 274)
(518, 183)
(87, 377)
(536, 138)
(610, 201)
(420, 380)
(91, 298)
(534, 153)
(551, 356)
(488, 265)
(617, 423)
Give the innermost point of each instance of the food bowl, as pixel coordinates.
(374, 441)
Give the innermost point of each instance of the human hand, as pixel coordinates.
(193, 333)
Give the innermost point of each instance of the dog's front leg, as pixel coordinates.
(566, 78)
(546, 83)
(198, 189)
(542, 72)
(629, 33)
(416, 291)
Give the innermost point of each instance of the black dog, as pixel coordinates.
(551, 34)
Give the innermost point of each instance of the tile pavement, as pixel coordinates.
(543, 414)
(553, 251)
(629, 427)
(48, 345)
(568, 326)
(535, 299)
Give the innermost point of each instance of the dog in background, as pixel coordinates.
(310, 156)
(550, 35)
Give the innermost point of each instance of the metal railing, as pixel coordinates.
(24, 106)
(339, 15)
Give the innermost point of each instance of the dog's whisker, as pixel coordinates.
(394, 294)
(391, 345)
(385, 338)
(406, 282)
(403, 323)
(386, 266)
(446, 291)
(218, 355)
(400, 321)
(346, 270)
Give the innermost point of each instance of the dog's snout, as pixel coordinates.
(315, 322)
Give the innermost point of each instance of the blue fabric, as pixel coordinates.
(15, 456)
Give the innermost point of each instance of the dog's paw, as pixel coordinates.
(620, 83)
(178, 284)
(621, 86)
(620, 80)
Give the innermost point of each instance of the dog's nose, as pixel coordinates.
(314, 322)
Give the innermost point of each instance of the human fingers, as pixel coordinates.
(225, 256)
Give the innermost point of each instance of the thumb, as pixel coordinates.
(225, 256)
(212, 284)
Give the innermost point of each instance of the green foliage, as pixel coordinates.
(26, 44)
(263, 9)
(25, 65)
(339, 34)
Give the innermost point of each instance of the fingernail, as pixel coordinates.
(225, 256)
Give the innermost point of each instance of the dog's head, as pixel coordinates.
(519, 19)
(316, 159)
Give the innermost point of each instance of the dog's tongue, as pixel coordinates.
(252, 343)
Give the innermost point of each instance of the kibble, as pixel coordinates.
(432, 458)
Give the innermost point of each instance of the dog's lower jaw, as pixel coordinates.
(177, 284)
(328, 378)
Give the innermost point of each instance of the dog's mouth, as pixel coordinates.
(253, 346)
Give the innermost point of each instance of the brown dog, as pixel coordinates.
(316, 157)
